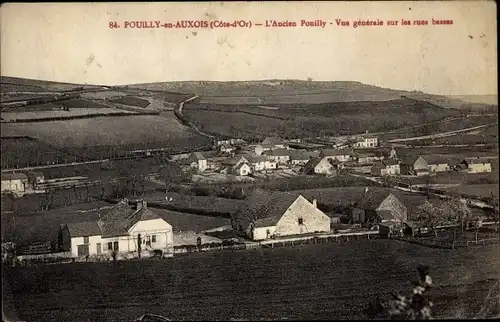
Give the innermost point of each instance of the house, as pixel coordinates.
(319, 166)
(278, 143)
(341, 155)
(477, 165)
(35, 178)
(276, 214)
(432, 163)
(278, 155)
(301, 157)
(234, 161)
(406, 165)
(225, 148)
(365, 158)
(196, 160)
(242, 169)
(14, 182)
(378, 206)
(121, 229)
(386, 168)
(367, 142)
(261, 162)
(259, 149)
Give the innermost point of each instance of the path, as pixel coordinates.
(440, 135)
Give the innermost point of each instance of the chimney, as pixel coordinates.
(315, 203)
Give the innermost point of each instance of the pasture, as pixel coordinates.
(27, 115)
(322, 281)
(312, 120)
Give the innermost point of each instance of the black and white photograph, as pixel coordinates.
(249, 161)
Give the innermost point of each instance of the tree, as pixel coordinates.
(416, 306)
(456, 211)
(430, 216)
(495, 214)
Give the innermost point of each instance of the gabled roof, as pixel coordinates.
(256, 158)
(303, 155)
(408, 160)
(278, 152)
(14, 176)
(312, 163)
(435, 159)
(333, 152)
(372, 199)
(197, 156)
(390, 162)
(273, 140)
(477, 160)
(84, 229)
(116, 227)
(239, 166)
(120, 211)
(234, 160)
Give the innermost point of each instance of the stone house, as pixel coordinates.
(261, 163)
(196, 160)
(281, 156)
(14, 182)
(367, 142)
(432, 163)
(377, 206)
(386, 168)
(319, 166)
(477, 165)
(341, 155)
(276, 214)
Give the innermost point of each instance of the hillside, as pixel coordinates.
(484, 99)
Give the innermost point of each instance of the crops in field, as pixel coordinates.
(131, 101)
(313, 120)
(323, 281)
(23, 152)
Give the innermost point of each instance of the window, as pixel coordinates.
(110, 246)
(98, 248)
(85, 240)
(115, 246)
(153, 238)
(301, 221)
(148, 240)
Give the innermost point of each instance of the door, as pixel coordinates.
(83, 250)
(98, 248)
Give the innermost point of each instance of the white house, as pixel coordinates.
(277, 214)
(319, 166)
(301, 157)
(278, 155)
(225, 148)
(261, 162)
(196, 160)
(386, 168)
(14, 182)
(477, 165)
(341, 155)
(122, 230)
(367, 142)
(270, 143)
(432, 163)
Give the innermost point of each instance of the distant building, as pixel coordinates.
(477, 165)
(386, 168)
(368, 142)
(301, 157)
(225, 148)
(238, 165)
(242, 169)
(406, 165)
(196, 160)
(341, 155)
(276, 214)
(432, 163)
(319, 166)
(121, 230)
(270, 143)
(278, 155)
(261, 163)
(378, 206)
(35, 178)
(14, 182)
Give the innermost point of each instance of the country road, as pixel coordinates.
(184, 120)
(440, 135)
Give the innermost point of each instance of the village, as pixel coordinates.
(264, 218)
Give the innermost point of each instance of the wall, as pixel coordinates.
(313, 219)
(439, 167)
(93, 240)
(393, 204)
(261, 232)
(323, 167)
(158, 227)
(420, 164)
(12, 185)
(480, 167)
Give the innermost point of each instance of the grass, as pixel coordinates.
(324, 281)
(311, 120)
(132, 101)
(59, 113)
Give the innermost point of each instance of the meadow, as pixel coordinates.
(322, 281)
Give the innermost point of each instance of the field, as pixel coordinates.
(23, 152)
(486, 190)
(324, 281)
(312, 120)
(11, 116)
(97, 135)
(132, 101)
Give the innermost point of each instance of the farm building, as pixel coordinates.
(368, 142)
(274, 214)
(261, 162)
(242, 169)
(278, 155)
(196, 160)
(432, 163)
(121, 230)
(226, 148)
(406, 166)
(477, 165)
(319, 166)
(238, 165)
(301, 157)
(365, 158)
(35, 178)
(386, 168)
(14, 182)
(341, 155)
(376, 206)
(278, 143)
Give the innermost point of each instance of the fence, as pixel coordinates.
(448, 244)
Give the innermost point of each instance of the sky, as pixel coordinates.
(72, 42)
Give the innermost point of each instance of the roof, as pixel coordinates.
(390, 162)
(233, 160)
(332, 152)
(273, 140)
(36, 174)
(241, 165)
(312, 163)
(83, 229)
(14, 176)
(372, 199)
(278, 152)
(197, 156)
(477, 160)
(303, 155)
(435, 159)
(116, 227)
(120, 211)
(256, 158)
